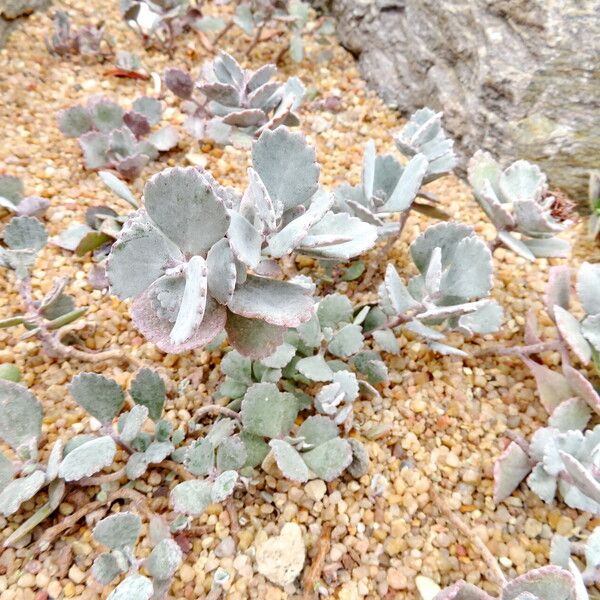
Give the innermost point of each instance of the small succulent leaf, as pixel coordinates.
(408, 185)
(20, 415)
(224, 486)
(516, 245)
(133, 587)
(100, 396)
(74, 121)
(281, 357)
(510, 469)
(106, 568)
(179, 82)
(317, 430)
(368, 169)
(191, 497)
(433, 276)
(222, 93)
(245, 240)
(156, 452)
(334, 309)
(220, 431)
(548, 247)
(138, 257)
(165, 139)
(200, 458)
(360, 459)
(131, 167)
(315, 368)
(118, 530)
(148, 389)
(470, 273)
(398, 294)
(590, 327)
(462, 590)
(231, 454)
(348, 384)
(19, 491)
(545, 582)
(136, 466)
(31, 206)
(184, 206)
(347, 341)
(592, 549)
(328, 460)
(310, 332)
(130, 423)
(329, 398)
(521, 180)
(106, 115)
(25, 233)
(570, 329)
(261, 76)
(287, 166)
(256, 449)
(237, 367)
(560, 551)
(253, 337)
(582, 478)
(570, 414)
(250, 117)
(289, 461)
(267, 412)
(558, 290)
(553, 387)
(387, 340)
(7, 470)
(193, 303)
(482, 167)
(486, 319)
(447, 350)
(221, 271)
(542, 484)
(151, 108)
(137, 122)
(95, 147)
(446, 236)
(164, 560)
(276, 302)
(588, 284)
(87, 459)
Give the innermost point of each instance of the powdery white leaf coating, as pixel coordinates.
(166, 138)
(6, 470)
(19, 491)
(118, 530)
(348, 384)
(553, 387)
(289, 461)
(281, 357)
(582, 478)
(517, 245)
(315, 368)
(558, 289)
(74, 121)
(510, 469)
(221, 271)
(131, 423)
(590, 327)
(244, 240)
(550, 582)
(268, 412)
(223, 486)
(347, 341)
(148, 389)
(408, 185)
(276, 302)
(106, 115)
(191, 497)
(486, 319)
(317, 430)
(328, 460)
(20, 415)
(592, 549)
(588, 287)
(387, 340)
(253, 337)
(446, 236)
(570, 330)
(133, 587)
(185, 208)
(462, 590)
(231, 454)
(87, 459)
(310, 332)
(118, 187)
(164, 560)
(548, 247)
(100, 396)
(398, 294)
(287, 166)
(368, 168)
(200, 458)
(570, 414)
(582, 388)
(334, 309)
(105, 568)
(25, 233)
(179, 82)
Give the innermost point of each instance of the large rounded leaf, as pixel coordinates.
(185, 208)
(253, 337)
(20, 415)
(276, 302)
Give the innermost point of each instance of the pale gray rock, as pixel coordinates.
(281, 559)
(519, 78)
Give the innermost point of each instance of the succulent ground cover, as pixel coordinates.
(432, 425)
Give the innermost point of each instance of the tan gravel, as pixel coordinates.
(441, 419)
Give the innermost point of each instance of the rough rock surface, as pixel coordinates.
(519, 78)
(12, 10)
(280, 559)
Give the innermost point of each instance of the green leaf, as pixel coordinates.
(25, 233)
(317, 430)
(103, 398)
(387, 340)
(106, 568)
(334, 309)
(256, 449)
(253, 337)
(117, 186)
(289, 461)
(200, 458)
(7, 470)
(191, 497)
(354, 271)
(267, 412)
(570, 329)
(315, 368)
(74, 121)
(329, 459)
(223, 486)
(20, 415)
(106, 115)
(231, 454)
(118, 530)
(148, 389)
(164, 560)
(19, 491)
(87, 459)
(347, 341)
(130, 423)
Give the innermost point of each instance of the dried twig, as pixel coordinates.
(313, 573)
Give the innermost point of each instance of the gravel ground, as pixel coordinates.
(437, 428)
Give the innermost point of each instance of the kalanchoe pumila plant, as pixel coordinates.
(13, 199)
(87, 41)
(388, 188)
(452, 287)
(199, 258)
(594, 199)
(234, 105)
(113, 138)
(526, 215)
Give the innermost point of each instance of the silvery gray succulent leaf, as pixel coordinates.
(20, 415)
